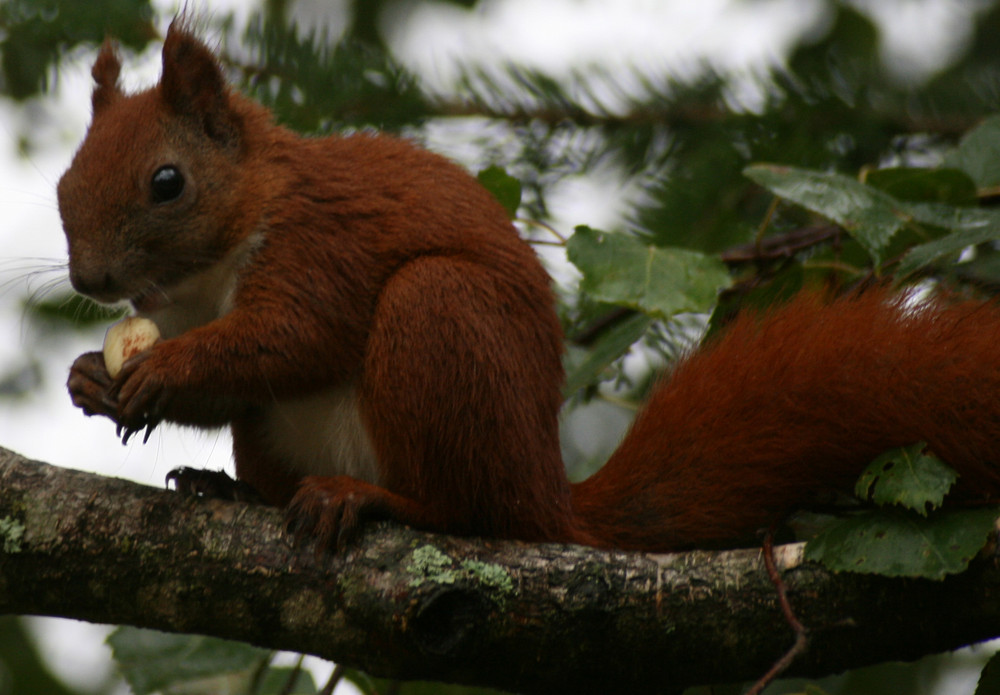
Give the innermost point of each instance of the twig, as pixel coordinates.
(335, 678)
(548, 228)
(781, 246)
(293, 677)
(801, 631)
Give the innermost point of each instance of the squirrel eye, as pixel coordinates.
(167, 184)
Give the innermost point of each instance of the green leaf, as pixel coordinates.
(661, 282)
(38, 35)
(952, 186)
(504, 188)
(897, 543)
(152, 660)
(969, 227)
(908, 477)
(315, 84)
(978, 153)
(362, 681)
(24, 669)
(989, 679)
(609, 347)
(276, 682)
(957, 219)
(866, 213)
(981, 270)
(813, 689)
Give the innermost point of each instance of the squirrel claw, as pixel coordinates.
(329, 517)
(299, 527)
(330, 511)
(126, 432)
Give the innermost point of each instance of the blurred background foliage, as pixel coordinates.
(677, 143)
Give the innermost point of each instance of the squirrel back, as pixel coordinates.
(382, 343)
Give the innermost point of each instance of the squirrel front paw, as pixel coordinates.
(133, 403)
(142, 395)
(89, 384)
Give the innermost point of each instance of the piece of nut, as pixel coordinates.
(128, 337)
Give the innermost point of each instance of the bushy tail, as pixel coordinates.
(784, 406)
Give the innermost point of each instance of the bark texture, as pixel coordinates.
(530, 618)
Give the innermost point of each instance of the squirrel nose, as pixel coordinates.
(97, 283)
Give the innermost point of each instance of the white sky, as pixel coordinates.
(556, 36)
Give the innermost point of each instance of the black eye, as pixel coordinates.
(167, 184)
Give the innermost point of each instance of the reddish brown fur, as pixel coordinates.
(105, 73)
(383, 267)
(795, 403)
(380, 271)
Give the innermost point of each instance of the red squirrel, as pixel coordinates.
(383, 344)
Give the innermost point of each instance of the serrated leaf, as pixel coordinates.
(978, 153)
(658, 281)
(609, 347)
(951, 186)
(896, 543)
(151, 660)
(869, 215)
(908, 477)
(504, 187)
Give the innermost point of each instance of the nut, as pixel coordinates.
(127, 338)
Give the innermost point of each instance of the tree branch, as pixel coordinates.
(409, 605)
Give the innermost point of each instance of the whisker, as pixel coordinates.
(29, 193)
(44, 203)
(28, 274)
(39, 294)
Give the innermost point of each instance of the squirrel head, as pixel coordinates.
(156, 191)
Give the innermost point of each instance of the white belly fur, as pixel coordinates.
(322, 434)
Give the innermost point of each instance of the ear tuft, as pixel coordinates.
(105, 72)
(192, 84)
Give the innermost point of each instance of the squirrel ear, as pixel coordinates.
(105, 73)
(192, 84)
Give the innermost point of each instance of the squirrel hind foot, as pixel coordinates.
(198, 482)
